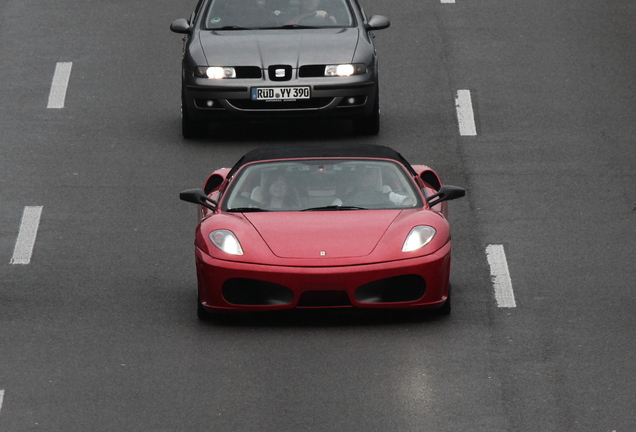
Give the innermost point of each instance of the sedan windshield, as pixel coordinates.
(261, 14)
(321, 185)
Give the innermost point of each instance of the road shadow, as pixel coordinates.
(325, 318)
(279, 131)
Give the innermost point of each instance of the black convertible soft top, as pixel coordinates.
(321, 151)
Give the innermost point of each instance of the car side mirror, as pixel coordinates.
(431, 179)
(180, 26)
(378, 22)
(213, 183)
(197, 196)
(446, 193)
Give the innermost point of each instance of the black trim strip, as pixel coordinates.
(344, 87)
(216, 89)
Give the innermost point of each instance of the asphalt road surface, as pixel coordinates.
(98, 330)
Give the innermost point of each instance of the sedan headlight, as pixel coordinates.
(419, 237)
(345, 69)
(226, 241)
(214, 72)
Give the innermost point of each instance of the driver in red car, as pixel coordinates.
(369, 191)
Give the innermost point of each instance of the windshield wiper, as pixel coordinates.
(247, 209)
(233, 27)
(334, 207)
(298, 26)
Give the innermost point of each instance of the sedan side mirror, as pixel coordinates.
(446, 193)
(197, 196)
(180, 26)
(378, 22)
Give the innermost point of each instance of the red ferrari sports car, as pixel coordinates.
(322, 226)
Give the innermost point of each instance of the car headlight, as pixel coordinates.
(226, 241)
(214, 72)
(419, 237)
(345, 69)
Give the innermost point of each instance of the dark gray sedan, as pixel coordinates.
(256, 59)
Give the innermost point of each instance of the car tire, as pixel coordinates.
(190, 128)
(369, 125)
(446, 307)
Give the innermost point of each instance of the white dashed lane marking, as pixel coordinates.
(1, 399)
(27, 234)
(500, 276)
(465, 115)
(59, 85)
(448, 1)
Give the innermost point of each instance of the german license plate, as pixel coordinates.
(280, 93)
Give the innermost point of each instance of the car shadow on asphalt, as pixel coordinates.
(279, 131)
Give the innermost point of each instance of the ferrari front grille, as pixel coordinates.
(324, 298)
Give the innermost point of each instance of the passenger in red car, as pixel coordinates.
(277, 195)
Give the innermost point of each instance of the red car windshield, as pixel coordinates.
(318, 185)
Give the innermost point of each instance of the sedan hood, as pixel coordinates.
(317, 234)
(269, 47)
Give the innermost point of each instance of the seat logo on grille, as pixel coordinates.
(280, 73)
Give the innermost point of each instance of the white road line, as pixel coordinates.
(59, 85)
(26, 237)
(500, 276)
(1, 399)
(447, 1)
(465, 115)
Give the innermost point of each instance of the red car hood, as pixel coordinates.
(332, 234)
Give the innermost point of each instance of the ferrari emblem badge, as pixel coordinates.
(323, 253)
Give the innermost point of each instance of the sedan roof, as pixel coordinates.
(321, 151)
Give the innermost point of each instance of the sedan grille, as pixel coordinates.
(311, 71)
(248, 72)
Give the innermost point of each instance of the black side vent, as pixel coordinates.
(311, 71)
(395, 289)
(242, 291)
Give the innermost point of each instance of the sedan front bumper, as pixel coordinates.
(330, 97)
